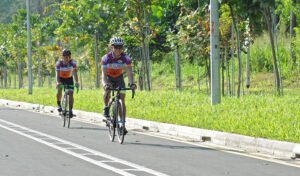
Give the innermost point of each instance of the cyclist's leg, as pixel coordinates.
(71, 99)
(70, 82)
(121, 83)
(106, 97)
(122, 97)
(58, 95)
(58, 98)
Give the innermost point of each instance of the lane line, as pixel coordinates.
(83, 157)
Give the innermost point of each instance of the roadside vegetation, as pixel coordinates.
(169, 43)
(263, 116)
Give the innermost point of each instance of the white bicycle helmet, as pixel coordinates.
(117, 41)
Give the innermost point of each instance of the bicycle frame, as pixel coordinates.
(66, 104)
(117, 121)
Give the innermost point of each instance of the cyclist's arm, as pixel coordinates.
(104, 76)
(57, 70)
(75, 75)
(130, 75)
(57, 76)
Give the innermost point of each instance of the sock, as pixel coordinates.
(58, 103)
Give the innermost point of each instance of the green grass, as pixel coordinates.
(263, 116)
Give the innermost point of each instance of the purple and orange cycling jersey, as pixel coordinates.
(65, 70)
(114, 67)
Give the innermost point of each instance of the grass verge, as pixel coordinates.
(263, 116)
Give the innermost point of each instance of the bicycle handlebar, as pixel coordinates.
(126, 88)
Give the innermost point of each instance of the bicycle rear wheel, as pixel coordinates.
(112, 123)
(120, 122)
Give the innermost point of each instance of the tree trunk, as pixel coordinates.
(238, 51)
(232, 60)
(20, 78)
(293, 24)
(5, 76)
(15, 74)
(49, 81)
(208, 80)
(40, 81)
(80, 78)
(268, 18)
(145, 68)
(228, 88)
(199, 77)
(239, 61)
(140, 72)
(39, 43)
(97, 76)
(177, 69)
(248, 67)
(223, 75)
(146, 65)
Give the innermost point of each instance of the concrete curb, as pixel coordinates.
(280, 149)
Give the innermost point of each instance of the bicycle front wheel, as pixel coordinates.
(120, 122)
(112, 123)
(68, 117)
(65, 107)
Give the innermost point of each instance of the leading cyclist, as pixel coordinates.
(65, 70)
(113, 64)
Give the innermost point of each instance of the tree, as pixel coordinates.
(267, 12)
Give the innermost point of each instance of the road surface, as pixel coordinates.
(35, 144)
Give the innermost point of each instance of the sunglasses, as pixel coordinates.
(118, 46)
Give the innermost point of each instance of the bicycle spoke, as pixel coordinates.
(120, 123)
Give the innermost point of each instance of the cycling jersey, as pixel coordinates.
(66, 70)
(114, 67)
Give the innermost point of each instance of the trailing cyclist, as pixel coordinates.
(113, 64)
(66, 69)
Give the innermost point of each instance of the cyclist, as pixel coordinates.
(66, 69)
(113, 64)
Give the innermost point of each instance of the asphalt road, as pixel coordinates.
(34, 144)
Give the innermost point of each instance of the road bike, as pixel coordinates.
(65, 104)
(116, 122)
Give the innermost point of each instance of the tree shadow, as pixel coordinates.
(87, 128)
(168, 146)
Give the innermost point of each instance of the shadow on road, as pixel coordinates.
(138, 143)
(87, 128)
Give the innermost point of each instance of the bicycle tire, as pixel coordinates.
(68, 114)
(120, 122)
(65, 107)
(112, 123)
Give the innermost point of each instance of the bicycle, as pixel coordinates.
(65, 104)
(116, 123)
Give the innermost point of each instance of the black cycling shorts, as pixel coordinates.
(117, 82)
(67, 81)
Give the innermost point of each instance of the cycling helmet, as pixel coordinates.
(117, 41)
(66, 52)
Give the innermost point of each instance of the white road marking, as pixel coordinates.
(21, 130)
